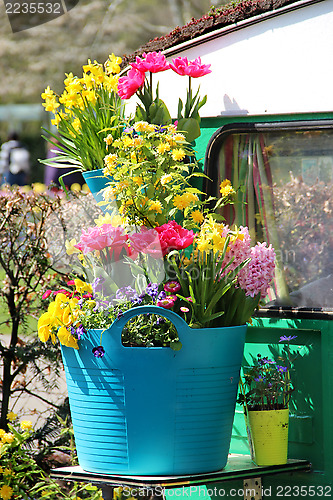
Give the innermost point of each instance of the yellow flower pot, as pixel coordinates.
(268, 436)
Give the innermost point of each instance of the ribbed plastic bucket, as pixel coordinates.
(95, 181)
(154, 411)
(269, 436)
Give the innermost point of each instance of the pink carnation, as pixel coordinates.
(105, 236)
(153, 62)
(257, 276)
(174, 237)
(145, 241)
(129, 84)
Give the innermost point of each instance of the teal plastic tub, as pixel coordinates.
(152, 410)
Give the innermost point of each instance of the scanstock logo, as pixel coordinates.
(25, 14)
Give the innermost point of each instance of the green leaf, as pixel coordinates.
(190, 127)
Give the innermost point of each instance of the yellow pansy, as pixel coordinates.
(44, 326)
(66, 338)
(82, 287)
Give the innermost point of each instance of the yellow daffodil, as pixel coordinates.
(112, 65)
(108, 140)
(48, 93)
(70, 247)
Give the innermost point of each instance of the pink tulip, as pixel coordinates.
(100, 237)
(174, 237)
(147, 242)
(129, 84)
(195, 68)
(153, 62)
(179, 65)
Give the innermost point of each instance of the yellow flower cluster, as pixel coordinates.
(151, 160)
(226, 188)
(61, 314)
(79, 92)
(6, 492)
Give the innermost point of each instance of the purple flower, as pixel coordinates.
(284, 338)
(97, 284)
(281, 369)
(98, 352)
(259, 379)
(160, 321)
(161, 295)
(80, 331)
(126, 293)
(152, 290)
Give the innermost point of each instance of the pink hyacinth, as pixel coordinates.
(105, 236)
(238, 249)
(174, 237)
(153, 62)
(257, 276)
(195, 68)
(129, 84)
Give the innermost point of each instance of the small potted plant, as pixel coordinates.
(265, 393)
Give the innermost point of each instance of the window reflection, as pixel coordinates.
(285, 185)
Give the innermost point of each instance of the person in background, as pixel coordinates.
(14, 161)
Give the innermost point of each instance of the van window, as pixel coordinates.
(283, 175)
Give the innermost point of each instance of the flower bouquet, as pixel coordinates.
(265, 395)
(88, 109)
(152, 325)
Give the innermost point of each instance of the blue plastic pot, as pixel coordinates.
(95, 181)
(151, 410)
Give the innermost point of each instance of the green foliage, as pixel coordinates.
(267, 384)
(22, 478)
